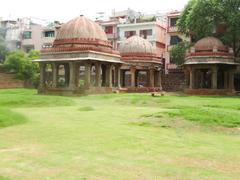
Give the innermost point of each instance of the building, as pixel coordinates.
(81, 61)
(25, 35)
(141, 71)
(154, 32)
(173, 37)
(37, 37)
(210, 67)
(111, 30)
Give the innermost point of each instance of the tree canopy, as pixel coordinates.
(20, 63)
(219, 18)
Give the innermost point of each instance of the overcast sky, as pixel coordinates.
(64, 10)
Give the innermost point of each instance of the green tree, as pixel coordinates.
(177, 53)
(202, 18)
(3, 49)
(20, 63)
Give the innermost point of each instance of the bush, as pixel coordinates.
(178, 52)
(21, 64)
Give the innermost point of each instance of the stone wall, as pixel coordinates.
(8, 81)
(173, 81)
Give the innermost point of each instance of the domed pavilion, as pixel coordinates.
(141, 71)
(81, 61)
(210, 67)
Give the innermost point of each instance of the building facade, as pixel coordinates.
(173, 37)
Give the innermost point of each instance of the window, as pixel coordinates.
(108, 29)
(128, 34)
(27, 35)
(173, 21)
(175, 40)
(49, 34)
(145, 33)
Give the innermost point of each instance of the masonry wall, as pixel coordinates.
(174, 81)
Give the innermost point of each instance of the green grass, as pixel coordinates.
(118, 136)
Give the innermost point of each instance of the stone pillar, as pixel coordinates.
(42, 75)
(160, 79)
(77, 73)
(226, 80)
(133, 77)
(117, 76)
(87, 79)
(67, 74)
(214, 77)
(72, 75)
(191, 78)
(231, 80)
(123, 77)
(109, 75)
(54, 74)
(98, 74)
(151, 78)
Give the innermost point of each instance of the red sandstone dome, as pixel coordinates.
(208, 43)
(81, 27)
(137, 48)
(81, 34)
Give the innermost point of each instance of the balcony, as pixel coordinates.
(112, 36)
(172, 29)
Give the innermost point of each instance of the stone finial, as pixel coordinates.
(230, 50)
(192, 50)
(215, 49)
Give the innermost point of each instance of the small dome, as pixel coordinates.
(81, 27)
(208, 43)
(136, 44)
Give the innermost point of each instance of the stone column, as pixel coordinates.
(122, 77)
(226, 80)
(72, 75)
(54, 74)
(214, 77)
(42, 75)
(87, 79)
(191, 78)
(117, 76)
(109, 75)
(77, 73)
(231, 80)
(160, 79)
(151, 78)
(133, 77)
(98, 74)
(67, 74)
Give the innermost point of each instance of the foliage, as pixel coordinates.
(21, 64)
(220, 18)
(3, 49)
(178, 52)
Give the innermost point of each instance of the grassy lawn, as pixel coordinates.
(118, 136)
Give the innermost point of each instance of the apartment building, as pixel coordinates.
(37, 37)
(25, 35)
(173, 37)
(153, 31)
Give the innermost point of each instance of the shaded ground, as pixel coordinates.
(119, 136)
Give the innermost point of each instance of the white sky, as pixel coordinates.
(64, 10)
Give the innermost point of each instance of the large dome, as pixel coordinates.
(81, 27)
(136, 44)
(208, 43)
(136, 48)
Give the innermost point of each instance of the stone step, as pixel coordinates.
(8, 81)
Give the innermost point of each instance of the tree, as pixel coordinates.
(3, 49)
(20, 63)
(177, 53)
(219, 18)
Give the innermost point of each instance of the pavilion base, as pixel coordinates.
(76, 92)
(140, 89)
(210, 92)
